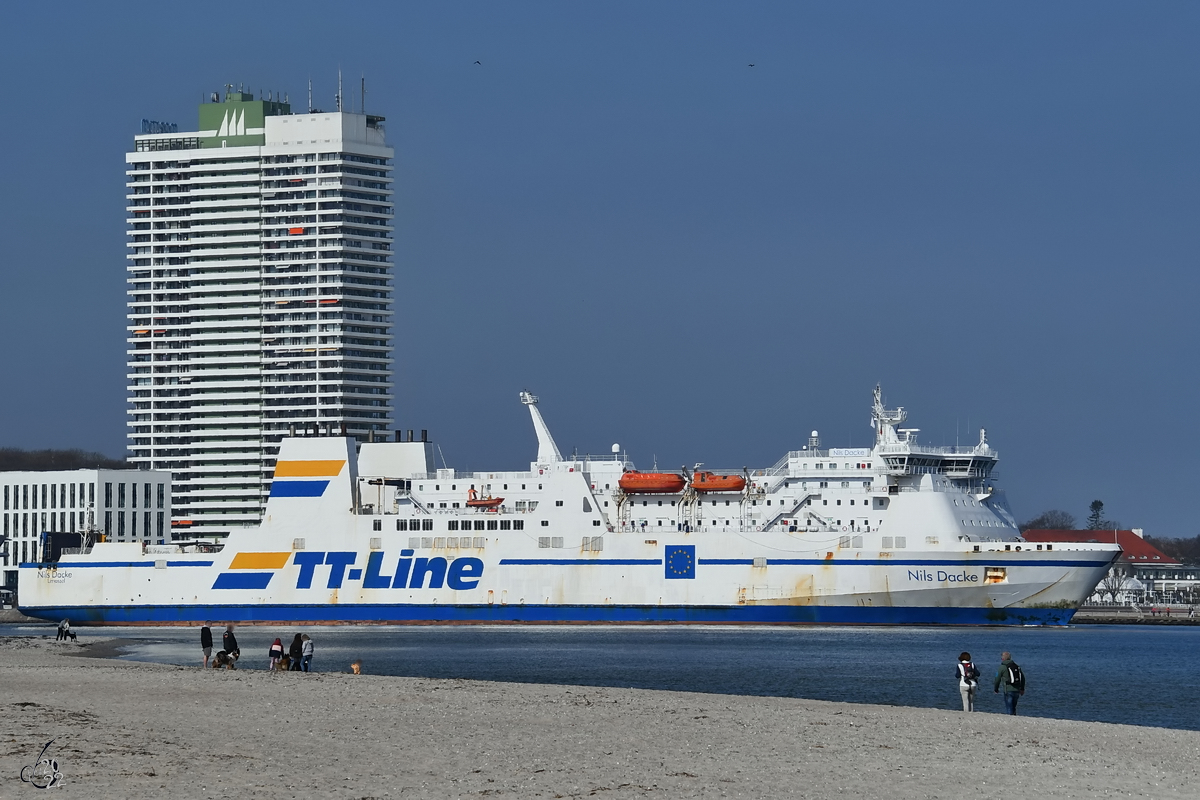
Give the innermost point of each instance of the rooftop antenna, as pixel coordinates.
(362, 107)
(339, 94)
(310, 95)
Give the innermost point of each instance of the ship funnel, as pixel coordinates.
(547, 449)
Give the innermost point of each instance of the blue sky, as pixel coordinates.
(991, 209)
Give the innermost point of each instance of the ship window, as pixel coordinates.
(453, 487)
(556, 541)
(820, 466)
(439, 542)
(660, 502)
(413, 542)
(595, 523)
(844, 541)
(606, 504)
(441, 505)
(426, 524)
(451, 541)
(543, 541)
(845, 484)
(901, 541)
(824, 502)
(857, 541)
(545, 523)
(376, 524)
(726, 502)
(376, 543)
(522, 486)
(506, 486)
(491, 525)
(478, 542)
(401, 524)
(478, 524)
(645, 502)
(454, 505)
(839, 502)
(452, 525)
(851, 502)
(506, 525)
(559, 503)
(518, 524)
(437, 487)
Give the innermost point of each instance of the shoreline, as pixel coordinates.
(138, 729)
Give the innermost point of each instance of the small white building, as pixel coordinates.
(123, 505)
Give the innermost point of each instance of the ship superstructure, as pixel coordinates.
(895, 533)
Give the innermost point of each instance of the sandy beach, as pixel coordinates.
(146, 730)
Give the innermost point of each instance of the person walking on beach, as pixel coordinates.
(1012, 679)
(968, 680)
(276, 653)
(206, 643)
(295, 652)
(306, 648)
(229, 642)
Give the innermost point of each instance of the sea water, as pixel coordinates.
(1138, 675)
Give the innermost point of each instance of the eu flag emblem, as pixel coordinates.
(680, 561)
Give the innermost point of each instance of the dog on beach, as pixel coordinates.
(285, 663)
(356, 667)
(224, 659)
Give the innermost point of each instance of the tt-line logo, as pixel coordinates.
(409, 572)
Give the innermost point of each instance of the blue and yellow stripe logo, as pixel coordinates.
(300, 470)
(251, 570)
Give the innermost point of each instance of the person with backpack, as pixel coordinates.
(1012, 679)
(968, 680)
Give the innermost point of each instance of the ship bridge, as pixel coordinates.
(901, 455)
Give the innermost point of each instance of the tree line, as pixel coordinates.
(14, 459)
(1059, 520)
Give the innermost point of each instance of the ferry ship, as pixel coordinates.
(374, 532)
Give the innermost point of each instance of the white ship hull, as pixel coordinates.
(567, 547)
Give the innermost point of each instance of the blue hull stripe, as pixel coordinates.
(243, 580)
(913, 562)
(298, 488)
(91, 564)
(581, 562)
(541, 614)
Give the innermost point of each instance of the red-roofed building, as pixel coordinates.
(1157, 576)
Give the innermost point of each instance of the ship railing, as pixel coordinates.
(76, 551)
(904, 448)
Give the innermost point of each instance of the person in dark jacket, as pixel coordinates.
(206, 643)
(296, 653)
(229, 642)
(1012, 692)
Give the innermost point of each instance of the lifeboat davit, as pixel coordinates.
(711, 482)
(652, 483)
(475, 501)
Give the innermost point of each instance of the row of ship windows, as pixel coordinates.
(454, 524)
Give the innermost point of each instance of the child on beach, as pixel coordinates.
(275, 653)
(306, 649)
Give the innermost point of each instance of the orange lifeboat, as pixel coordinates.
(475, 501)
(652, 483)
(711, 482)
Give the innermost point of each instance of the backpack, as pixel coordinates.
(967, 671)
(1015, 677)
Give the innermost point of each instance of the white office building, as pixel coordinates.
(259, 296)
(124, 505)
